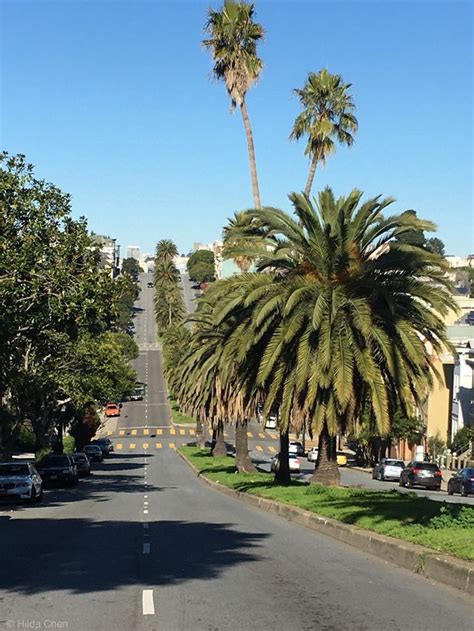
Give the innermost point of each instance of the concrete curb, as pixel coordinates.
(424, 561)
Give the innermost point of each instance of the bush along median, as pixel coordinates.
(446, 528)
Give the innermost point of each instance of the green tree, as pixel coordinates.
(233, 38)
(435, 245)
(201, 266)
(338, 322)
(166, 250)
(328, 115)
(131, 267)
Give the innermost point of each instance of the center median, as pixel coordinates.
(412, 532)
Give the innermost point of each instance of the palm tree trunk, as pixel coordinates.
(312, 171)
(282, 471)
(326, 471)
(199, 434)
(219, 448)
(242, 458)
(251, 149)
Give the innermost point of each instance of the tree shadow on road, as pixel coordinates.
(80, 556)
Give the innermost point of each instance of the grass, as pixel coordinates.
(178, 417)
(441, 526)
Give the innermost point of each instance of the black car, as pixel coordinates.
(149, 284)
(94, 453)
(59, 468)
(105, 444)
(462, 482)
(425, 474)
(82, 463)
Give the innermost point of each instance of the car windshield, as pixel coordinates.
(394, 463)
(56, 460)
(469, 471)
(426, 465)
(92, 448)
(79, 456)
(14, 469)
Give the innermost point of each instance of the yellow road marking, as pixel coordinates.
(262, 435)
(145, 445)
(133, 432)
(109, 433)
(172, 446)
(172, 431)
(122, 432)
(159, 445)
(145, 432)
(249, 435)
(226, 435)
(118, 446)
(182, 432)
(259, 448)
(159, 432)
(272, 450)
(192, 432)
(132, 445)
(273, 436)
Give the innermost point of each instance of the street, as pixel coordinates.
(144, 544)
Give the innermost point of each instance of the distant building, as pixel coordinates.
(460, 261)
(181, 263)
(109, 252)
(133, 252)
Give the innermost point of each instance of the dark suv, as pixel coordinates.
(105, 444)
(59, 468)
(425, 474)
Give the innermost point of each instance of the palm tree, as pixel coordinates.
(328, 114)
(346, 319)
(166, 250)
(233, 39)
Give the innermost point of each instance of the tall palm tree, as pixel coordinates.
(233, 39)
(166, 250)
(328, 115)
(346, 319)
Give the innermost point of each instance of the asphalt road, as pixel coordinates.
(145, 545)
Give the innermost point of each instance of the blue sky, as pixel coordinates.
(113, 101)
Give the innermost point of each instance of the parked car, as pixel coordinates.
(292, 459)
(388, 469)
(149, 285)
(112, 409)
(271, 419)
(94, 453)
(295, 447)
(20, 480)
(82, 463)
(462, 482)
(313, 454)
(341, 459)
(425, 474)
(105, 444)
(59, 468)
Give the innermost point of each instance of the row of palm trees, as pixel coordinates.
(339, 318)
(169, 305)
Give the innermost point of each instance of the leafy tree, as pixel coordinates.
(201, 266)
(462, 439)
(131, 267)
(233, 38)
(328, 115)
(412, 237)
(436, 446)
(345, 317)
(435, 245)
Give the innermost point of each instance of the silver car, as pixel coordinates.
(20, 480)
(313, 454)
(388, 469)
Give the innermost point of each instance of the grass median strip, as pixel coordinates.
(448, 528)
(178, 417)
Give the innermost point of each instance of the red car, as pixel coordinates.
(112, 409)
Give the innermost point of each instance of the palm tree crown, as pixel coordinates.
(166, 250)
(328, 114)
(346, 317)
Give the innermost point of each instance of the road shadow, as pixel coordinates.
(80, 556)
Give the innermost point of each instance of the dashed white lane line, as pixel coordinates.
(145, 512)
(145, 497)
(147, 603)
(146, 548)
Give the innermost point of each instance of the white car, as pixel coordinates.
(292, 460)
(388, 469)
(295, 447)
(20, 480)
(313, 454)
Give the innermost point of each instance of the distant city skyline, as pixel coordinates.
(134, 129)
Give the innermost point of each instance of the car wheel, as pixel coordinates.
(463, 491)
(410, 484)
(401, 482)
(380, 476)
(39, 497)
(33, 495)
(450, 490)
